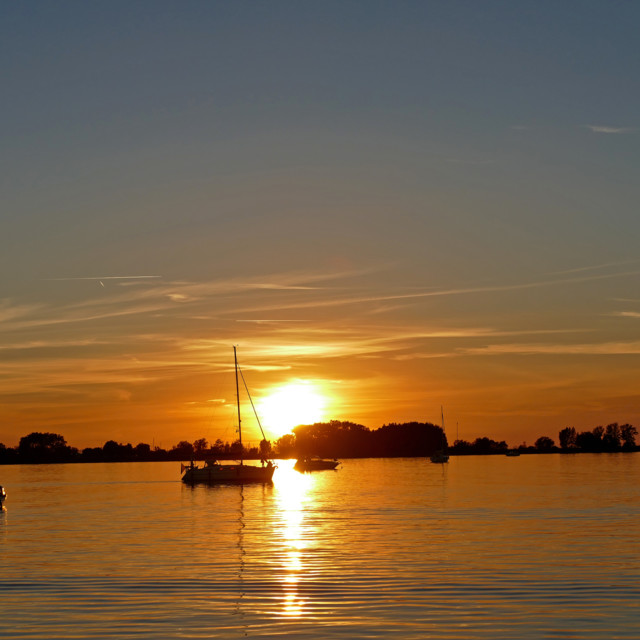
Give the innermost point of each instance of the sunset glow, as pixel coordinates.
(291, 405)
(381, 206)
(293, 294)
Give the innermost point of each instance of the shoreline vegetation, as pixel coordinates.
(334, 439)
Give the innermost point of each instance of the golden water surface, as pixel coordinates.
(539, 546)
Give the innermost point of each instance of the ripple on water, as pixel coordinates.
(375, 550)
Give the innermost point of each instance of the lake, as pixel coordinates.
(539, 546)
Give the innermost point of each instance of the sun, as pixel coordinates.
(288, 406)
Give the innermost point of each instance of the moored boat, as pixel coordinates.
(512, 453)
(3, 495)
(315, 464)
(213, 472)
(441, 456)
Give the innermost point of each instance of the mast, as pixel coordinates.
(235, 360)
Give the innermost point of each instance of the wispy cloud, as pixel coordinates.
(277, 287)
(167, 297)
(51, 344)
(610, 130)
(334, 301)
(596, 267)
(265, 302)
(10, 311)
(603, 348)
(274, 320)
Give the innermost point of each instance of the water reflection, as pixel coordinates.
(293, 493)
(545, 548)
(3, 523)
(241, 553)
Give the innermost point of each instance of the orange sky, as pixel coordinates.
(152, 361)
(405, 206)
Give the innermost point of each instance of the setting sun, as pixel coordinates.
(293, 404)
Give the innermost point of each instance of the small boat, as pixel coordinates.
(3, 495)
(315, 464)
(512, 453)
(213, 472)
(441, 456)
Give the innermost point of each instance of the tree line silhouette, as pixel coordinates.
(612, 438)
(334, 439)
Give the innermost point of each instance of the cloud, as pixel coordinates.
(51, 344)
(610, 130)
(273, 320)
(245, 310)
(596, 267)
(9, 311)
(277, 287)
(334, 301)
(604, 348)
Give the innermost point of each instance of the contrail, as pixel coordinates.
(100, 278)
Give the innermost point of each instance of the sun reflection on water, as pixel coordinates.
(293, 492)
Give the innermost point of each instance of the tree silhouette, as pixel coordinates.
(590, 440)
(200, 445)
(183, 450)
(628, 435)
(611, 440)
(114, 451)
(544, 443)
(567, 438)
(285, 446)
(45, 447)
(339, 439)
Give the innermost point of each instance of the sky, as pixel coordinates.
(408, 209)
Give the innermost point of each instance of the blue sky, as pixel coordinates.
(409, 203)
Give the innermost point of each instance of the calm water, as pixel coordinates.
(484, 547)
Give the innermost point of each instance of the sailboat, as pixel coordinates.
(441, 456)
(213, 472)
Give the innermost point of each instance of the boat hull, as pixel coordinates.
(227, 473)
(315, 465)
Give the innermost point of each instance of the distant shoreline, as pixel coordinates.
(334, 439)
(255, 458)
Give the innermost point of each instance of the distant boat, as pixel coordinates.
(315, 464)
(3, 495)
(441, 456)
(512, 453)
(213, 472)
